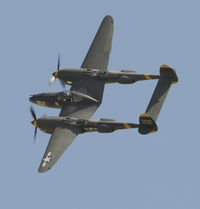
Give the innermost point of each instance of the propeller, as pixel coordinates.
(55, 74)
(34, 122)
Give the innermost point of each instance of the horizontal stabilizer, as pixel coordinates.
(167, 77)
(147, 124)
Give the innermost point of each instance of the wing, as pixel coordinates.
(99, 51)
(62, 137)
(82, 111)
(97, 58)
(60, 140)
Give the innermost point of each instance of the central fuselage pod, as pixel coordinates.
(58, 99)
(69, 75)
(48, 124)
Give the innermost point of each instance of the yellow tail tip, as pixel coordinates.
(144, 115)
(164, 66)
(153, 132)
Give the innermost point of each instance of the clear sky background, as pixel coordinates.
(101, 171)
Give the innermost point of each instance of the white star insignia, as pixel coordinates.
(47, 159)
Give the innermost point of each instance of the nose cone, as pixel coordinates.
(34, 122)
(55, 74)
(32, 99)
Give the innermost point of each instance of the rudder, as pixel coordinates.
(147, 124)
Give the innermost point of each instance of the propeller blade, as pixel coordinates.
(52, 80)
(33, 122)
(33, 113)
(58, 66)
(35, 133)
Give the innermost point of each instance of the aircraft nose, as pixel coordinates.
(32, 99)
(34, 122)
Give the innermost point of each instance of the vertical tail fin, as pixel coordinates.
(167, 78)
(147, 124)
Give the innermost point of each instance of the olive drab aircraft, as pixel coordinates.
(85, 96)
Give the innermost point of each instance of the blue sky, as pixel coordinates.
(118, 170)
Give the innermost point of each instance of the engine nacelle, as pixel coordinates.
(69, 75)
(124, 79)
(103, 128)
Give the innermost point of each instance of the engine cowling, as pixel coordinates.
(70, 74)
